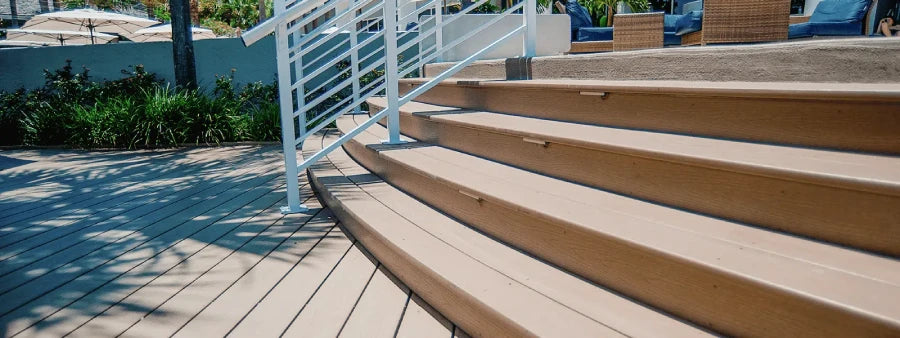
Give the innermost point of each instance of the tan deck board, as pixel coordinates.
(421, 320)
(328, 309)
(197, 236)
(379, 309)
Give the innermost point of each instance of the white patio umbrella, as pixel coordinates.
(58, 36)
(24, 43)
(89, 20)
(164, 33)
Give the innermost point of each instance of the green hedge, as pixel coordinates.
(137, 111)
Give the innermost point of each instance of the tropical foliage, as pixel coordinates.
(135, 112)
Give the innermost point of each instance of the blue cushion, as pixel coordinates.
(670, 38)
(692, 6)
(799, 30)
(670, 22)
(578, 14)
(824, 29)
(689, 23)
(594, 34)
(839, 11)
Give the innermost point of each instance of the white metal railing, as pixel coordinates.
(352, 51)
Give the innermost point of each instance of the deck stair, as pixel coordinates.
(639, 208)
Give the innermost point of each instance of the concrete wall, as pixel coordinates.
(553, 33)
(23, 67)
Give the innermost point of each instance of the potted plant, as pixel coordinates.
(603, 10)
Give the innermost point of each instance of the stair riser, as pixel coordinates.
(854, 218)
(861, 125)
(477, 318)
(716, 299)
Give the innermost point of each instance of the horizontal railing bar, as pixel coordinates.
(337, 59)
(332, 119)
(330, 110)
(341, 140)
(471, 33)
(338, 29)
(457, 67)
(268, 27)
(427, 6)
(325, 83)
(341, 85)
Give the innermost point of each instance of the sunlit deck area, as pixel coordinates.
(184, 242)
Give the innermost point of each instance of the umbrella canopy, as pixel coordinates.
(56, 37)
(24, 43)
(89, 20)
(164, 33)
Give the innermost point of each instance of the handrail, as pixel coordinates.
(316, 98)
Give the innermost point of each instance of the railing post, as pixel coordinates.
(391, 71)
(530, 18)
(288, 138)
(301, 88)
(439, 29)
(354, 65)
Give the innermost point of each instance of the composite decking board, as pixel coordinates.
(209, 265)
(175, 284)
(108, 195)
(826, 119)
(69, 248)
(824, 90)
(153, 169)
(623, 314)
(842, 169)
(46, 169)
(196, 183)
(552, 200)
(421, 320)
(57, 287)
(106, 237)
(492, 302)
(236, 281)
(157, 189)
(73, 315)
(277, 289)
(126, 312)
(330, 306)
(379, 308)
(802, 191)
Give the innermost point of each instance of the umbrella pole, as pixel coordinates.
(91, 29)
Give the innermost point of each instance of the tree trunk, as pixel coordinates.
(14, 14)
(262, 10)
(183, 44)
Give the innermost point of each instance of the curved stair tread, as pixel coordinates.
(749, 179)
(472, 294)
(676, 234)
(542, 299)
(812, 90)
(841, 169)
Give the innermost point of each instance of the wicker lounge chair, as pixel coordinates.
(833, 18)
(731, 21)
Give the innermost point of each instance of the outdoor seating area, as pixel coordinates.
(727, 22)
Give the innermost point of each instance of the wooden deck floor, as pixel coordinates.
(184, 243)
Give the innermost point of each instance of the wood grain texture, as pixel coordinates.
(860, 118)
(469, 293)
(849, 199)
(693, 276)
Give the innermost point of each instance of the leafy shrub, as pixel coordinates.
(136, 111)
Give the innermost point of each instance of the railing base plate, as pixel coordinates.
(287, 210)
(388, 142)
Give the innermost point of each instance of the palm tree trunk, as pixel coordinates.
(183, 44)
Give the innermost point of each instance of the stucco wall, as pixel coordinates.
(552, 36)
(23, 67)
